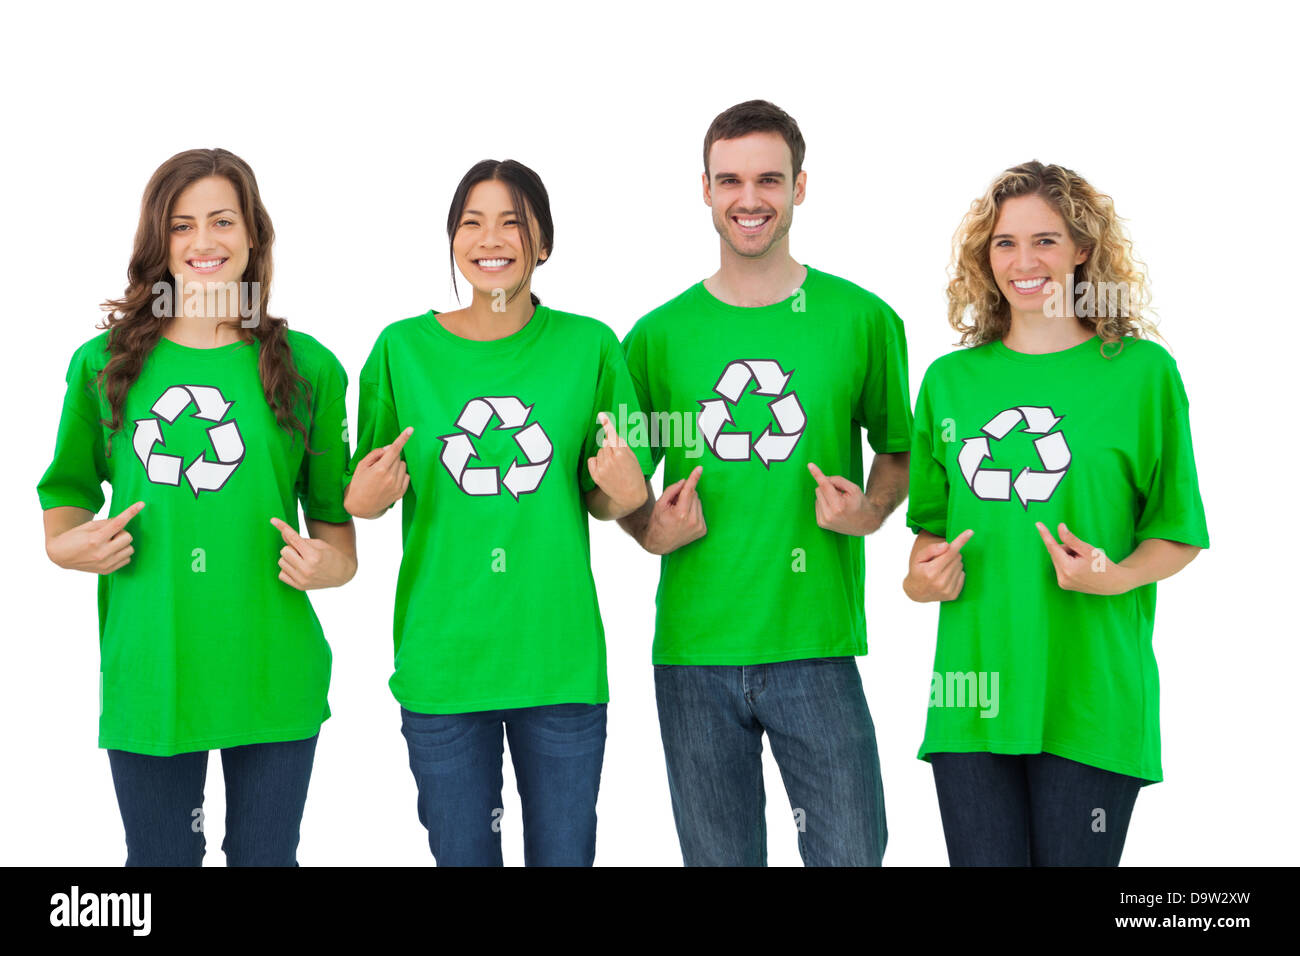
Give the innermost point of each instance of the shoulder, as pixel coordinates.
(956, 363)
(311, 357)
(90, 357)
(581, 330)
(846, 292)
(664, 315)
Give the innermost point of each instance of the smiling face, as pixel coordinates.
(208, 239)
(1030, 249)
(489, 243)
(752, 190)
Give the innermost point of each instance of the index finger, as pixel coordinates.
(611, 435)
(688, 489)
(817, 474)
(1054, 549)
(291, 536)
(118, 521)
(395, 447)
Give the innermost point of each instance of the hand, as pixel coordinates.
(306, 563)
(100, 547)
(617, 472)
(677, 518)
(1080, 566)
(934, 571)
(841, 505)
(379, 480)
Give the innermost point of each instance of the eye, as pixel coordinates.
(468, 222)
(1050, 242)
(179, 226)
(225, 222)
(511, 222)
(1002, 242)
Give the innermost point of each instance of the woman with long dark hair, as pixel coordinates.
(493, 425)
(211, 420)
(1052, 484)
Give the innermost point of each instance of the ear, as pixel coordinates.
(800, 185)
(1081, 257)
(704, 182)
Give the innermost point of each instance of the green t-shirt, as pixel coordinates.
(753, 395)
(202, 646)
(496, 606)
(1004, 439)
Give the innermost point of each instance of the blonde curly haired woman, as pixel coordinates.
(1052, 484)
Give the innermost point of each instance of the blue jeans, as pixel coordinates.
(712, 720)
(161, 799)
(1031, 810)
(557, 752)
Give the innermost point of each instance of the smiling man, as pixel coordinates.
(760, 601)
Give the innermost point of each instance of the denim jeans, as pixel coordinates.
(557, 752)
(1031, 810)
(161, 799)
(712, 719)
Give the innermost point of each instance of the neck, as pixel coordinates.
(751, 282)
(201, 331)
(1036, 334)
(485, 319)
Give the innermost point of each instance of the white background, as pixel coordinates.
(360, 118)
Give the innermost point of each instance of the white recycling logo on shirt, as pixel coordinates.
(996, 484)
(458, 448)
(203, 474)
(770, 446)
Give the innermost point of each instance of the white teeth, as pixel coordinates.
(206, 263)
(493, 263)
(751, 223)
(1028, 283)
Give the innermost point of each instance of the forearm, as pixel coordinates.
(602, 507)
(637, 523)
(343, 539)
(1154, 560)
(886, 487)
(354, 506)
(61, 519)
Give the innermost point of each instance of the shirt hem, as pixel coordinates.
(153, 749)
(498, 703)
(1044, 746)
(774, 657)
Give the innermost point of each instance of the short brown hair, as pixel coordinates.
(755, 116)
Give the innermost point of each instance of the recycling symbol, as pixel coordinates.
(771, 445)
(458, 448)
(995, 484)
(203, 474)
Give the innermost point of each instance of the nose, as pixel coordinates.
(1026, 258)
(202, 238)
(749, 196)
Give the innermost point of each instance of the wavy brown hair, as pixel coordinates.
(137, 320)
(1090, 218)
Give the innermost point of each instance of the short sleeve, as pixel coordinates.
(78, 469)
(884, 406)
(320, 480)
(1170, 504)
(927, 479)
(617, 396)
(638, 368)
(377, 423)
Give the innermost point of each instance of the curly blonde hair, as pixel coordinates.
(1090, 218)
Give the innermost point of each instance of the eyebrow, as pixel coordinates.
(1037, 235)
(475, 212)
(213, 213)
(775, 174)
